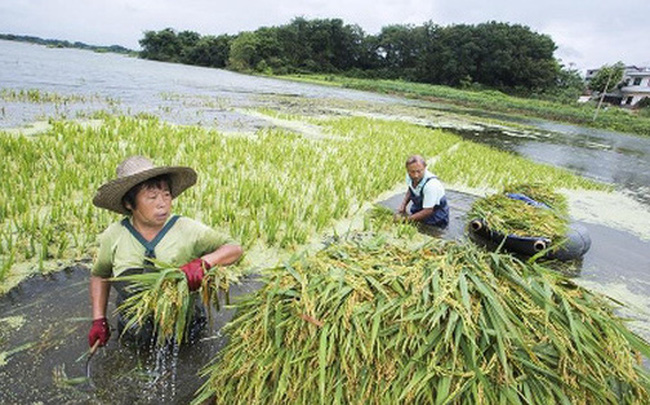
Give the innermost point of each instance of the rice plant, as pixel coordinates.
(276, 189)
(382, 219)
(509, 216)
(37, 96)
(370, 323)
(163, 296)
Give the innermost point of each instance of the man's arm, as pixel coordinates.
(405, 201)
(421, 215)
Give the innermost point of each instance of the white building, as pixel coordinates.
(634, 86)
(637, 85)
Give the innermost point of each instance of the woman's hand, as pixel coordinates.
(99, 331)
(194, 272)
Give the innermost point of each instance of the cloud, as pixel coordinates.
(589, 46)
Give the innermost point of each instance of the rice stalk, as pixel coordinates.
(514, 217)
(362, 322)
(162, 295)
(277, 188)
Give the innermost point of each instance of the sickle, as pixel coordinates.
(90, 356)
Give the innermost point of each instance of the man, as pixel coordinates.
(426, 193)
(144, 194)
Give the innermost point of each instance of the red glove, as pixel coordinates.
(99, 331)
(194, 271)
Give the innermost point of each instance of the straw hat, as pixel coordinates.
(137, 169)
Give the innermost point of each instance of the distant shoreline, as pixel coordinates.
(58, 43)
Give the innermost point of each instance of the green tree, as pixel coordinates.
(569, 86)
(187, 40)
(295, 45)
(162, 45)
(607, 77)
(270, 52)
(243, 52)
(502, 56)
(451, 56)
(512, 57)
(321, 45)
(497, 55)
(430, 60)
(211, 51)
(400, 48)
(332, 45)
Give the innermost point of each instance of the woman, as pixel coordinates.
(144, 194)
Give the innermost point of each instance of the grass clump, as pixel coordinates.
(447, 323)
(509, 216)
(489, 100)
(163, 296)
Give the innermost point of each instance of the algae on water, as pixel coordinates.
(12, 322)
(4, 356)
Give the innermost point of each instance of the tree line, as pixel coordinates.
(58, 43)
(503, 56)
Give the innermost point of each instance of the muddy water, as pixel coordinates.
(181, 94)
(53, 369)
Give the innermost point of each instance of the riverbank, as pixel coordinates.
(616, 119)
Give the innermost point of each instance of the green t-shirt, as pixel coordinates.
(186, 240)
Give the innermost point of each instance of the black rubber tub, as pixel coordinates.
(577, 241)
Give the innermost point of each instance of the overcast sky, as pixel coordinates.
(588, 33)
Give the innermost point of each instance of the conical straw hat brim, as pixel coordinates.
(109, 195)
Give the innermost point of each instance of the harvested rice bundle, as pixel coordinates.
(542, 193)
(510, 216)
(382, 219)
(164, 297)
(447, 323)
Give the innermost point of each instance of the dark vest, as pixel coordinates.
(440, 215)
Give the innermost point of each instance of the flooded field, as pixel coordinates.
(50, 325)
(51, 320)
(44, 320)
